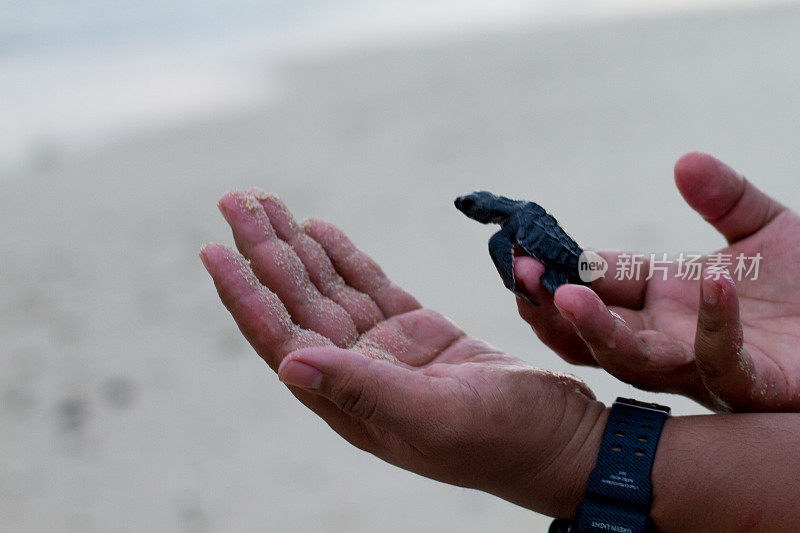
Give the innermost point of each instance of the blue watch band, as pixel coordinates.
(619, 489)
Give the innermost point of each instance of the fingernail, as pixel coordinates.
(710, 290)
(301, 375)
(223, 210)
(203, 257)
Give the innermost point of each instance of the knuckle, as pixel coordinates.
(356, 398)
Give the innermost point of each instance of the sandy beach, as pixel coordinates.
(129, 400)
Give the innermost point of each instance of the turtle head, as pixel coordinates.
(485, 207)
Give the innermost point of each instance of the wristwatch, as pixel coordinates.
(619, 489)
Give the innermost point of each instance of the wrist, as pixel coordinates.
(585, 460)
(565, 477)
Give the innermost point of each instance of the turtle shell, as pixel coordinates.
(540, 236)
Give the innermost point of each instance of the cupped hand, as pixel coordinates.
(730, 345)
(395, 379)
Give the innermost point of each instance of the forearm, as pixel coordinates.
(736, 472)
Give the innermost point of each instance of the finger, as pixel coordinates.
(722, 196)
(259, 313)
(278, 267)
(266, 324)
(364, 312)
(359, 270)
(727, 370)
(646, 359)
(353, 430)
(545, 319)
(376, 391)
(625, 282)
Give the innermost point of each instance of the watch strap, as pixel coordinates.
(619, 489)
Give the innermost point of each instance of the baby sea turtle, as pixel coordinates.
(533, 230)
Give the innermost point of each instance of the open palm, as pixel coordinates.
(393, 378)
(727, 344)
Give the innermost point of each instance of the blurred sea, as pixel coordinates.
(75, 73)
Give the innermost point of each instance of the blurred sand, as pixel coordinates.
(130, 402)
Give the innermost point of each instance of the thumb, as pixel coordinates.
(730, 203)
(726, 369)
(374, 390)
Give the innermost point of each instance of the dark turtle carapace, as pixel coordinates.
(533, 230)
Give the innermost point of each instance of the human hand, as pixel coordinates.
(395, 379)
(728, 346)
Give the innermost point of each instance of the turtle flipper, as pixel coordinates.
(501, 249)
(525, 297)
(553, 279)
